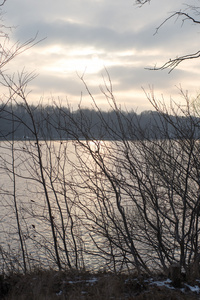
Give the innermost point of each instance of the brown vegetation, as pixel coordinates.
(74, 285)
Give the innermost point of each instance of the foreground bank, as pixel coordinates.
(74, 285)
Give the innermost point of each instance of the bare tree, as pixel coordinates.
(189, 13)
(130, 202)
(141, 187)
(8, 52)
(45, 167)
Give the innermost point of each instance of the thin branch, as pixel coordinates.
(173, 63)
(7, 54)
(142, 2)
(3, 3)
(178, 14)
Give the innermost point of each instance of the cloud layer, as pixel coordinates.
(87, 36)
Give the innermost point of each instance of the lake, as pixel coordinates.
(103, 204)
(27, 194)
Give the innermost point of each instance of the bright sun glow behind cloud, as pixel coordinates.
(79, 60)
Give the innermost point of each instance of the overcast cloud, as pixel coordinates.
(89, 35)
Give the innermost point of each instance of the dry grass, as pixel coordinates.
(73, 285)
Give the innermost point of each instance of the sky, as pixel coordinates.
(100, 37)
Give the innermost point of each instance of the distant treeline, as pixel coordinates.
(50, 122)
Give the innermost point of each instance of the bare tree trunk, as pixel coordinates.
(20, 233)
